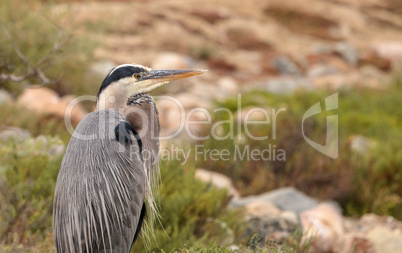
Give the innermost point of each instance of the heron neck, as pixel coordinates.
(142, 114)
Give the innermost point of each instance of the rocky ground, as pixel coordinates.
(276, 215)
(280, 46)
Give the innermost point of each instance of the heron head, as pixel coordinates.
(131, 79)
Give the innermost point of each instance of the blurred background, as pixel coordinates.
(276, 54)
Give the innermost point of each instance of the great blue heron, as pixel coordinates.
(105, 177)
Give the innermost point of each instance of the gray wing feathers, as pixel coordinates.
(100, 189)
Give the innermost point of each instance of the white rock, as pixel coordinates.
(169, 60)
(324, 225)
(38, 99)
(233, 248)
(390, 50)
(287, 85)
(361, 144)
(385, 240)
(46, 101)
(227, 86)
(290, 217)
(262, 209)
(285, 66)
(348, 52)
(217, 180)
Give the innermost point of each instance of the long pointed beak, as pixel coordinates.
(163, 76)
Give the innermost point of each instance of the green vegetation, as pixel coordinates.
(27, 180)
(192, 212)
(194, 216)
(35, 33)
(360, 182)
(34, 123)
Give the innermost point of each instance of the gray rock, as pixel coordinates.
(285, 66)
(287, 85)
(347, 52)
(5, 97)
(264, 227)
(288, 199)
(14, 133)
(273, 226)
(268, 222)
(322, 70)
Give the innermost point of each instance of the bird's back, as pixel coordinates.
(100, 187)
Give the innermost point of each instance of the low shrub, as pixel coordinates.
(28, 175)
(29, 32)
(361, 182)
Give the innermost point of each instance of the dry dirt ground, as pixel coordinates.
(234, 36)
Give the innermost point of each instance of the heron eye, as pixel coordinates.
(137, 76)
